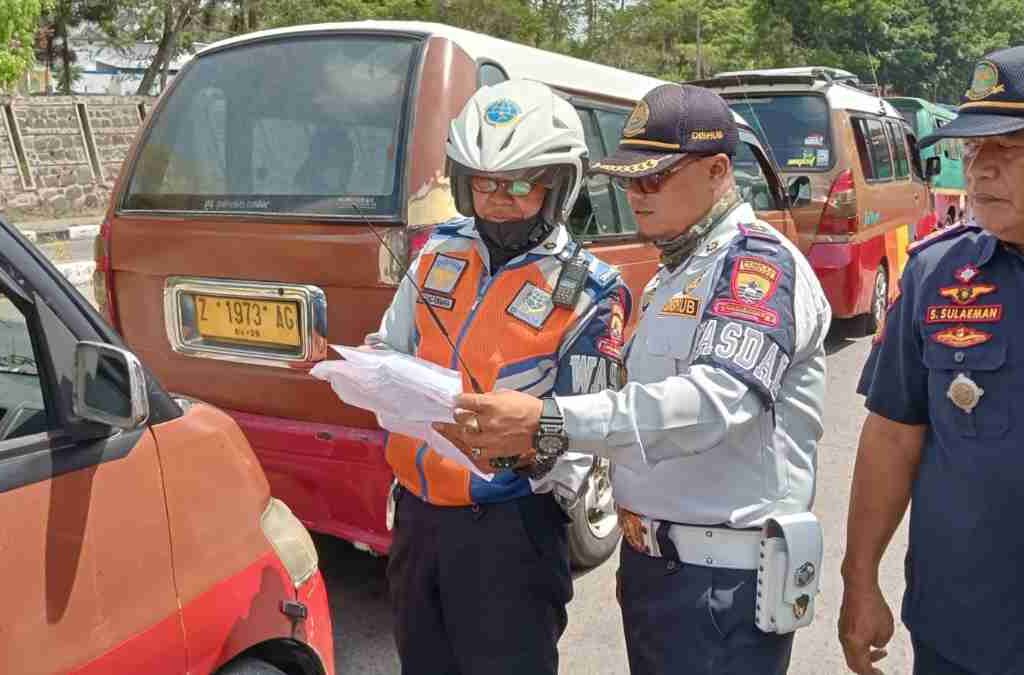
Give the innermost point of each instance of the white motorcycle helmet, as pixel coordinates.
(519, 128)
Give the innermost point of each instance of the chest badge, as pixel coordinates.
(966, 274)
(532, 305)
(964, 393)
(966, 295)
(445, 274)
(961, 337)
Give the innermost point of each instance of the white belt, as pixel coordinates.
(708, 546)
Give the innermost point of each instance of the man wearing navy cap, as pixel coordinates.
(941, 384)
(713, 438)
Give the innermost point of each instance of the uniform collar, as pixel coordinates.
(556, 241)
(723, 233)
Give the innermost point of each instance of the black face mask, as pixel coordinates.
(511, 238)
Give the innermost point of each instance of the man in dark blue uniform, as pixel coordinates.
(941, 385)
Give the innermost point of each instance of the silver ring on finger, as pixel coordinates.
(476, 452)
(473, 424)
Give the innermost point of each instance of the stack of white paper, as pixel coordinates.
(406, 393)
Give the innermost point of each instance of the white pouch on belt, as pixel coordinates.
(789, 573)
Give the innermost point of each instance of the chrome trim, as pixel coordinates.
(87, 357)
(312, 310)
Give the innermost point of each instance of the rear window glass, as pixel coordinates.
(308, 126)
(899, 149)
(795, 127)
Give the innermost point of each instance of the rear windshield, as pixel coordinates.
(795, 127)
(299, 126)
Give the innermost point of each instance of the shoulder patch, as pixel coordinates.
(941, 235)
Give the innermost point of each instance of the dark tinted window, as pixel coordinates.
(899, 149)
(309, 125)
(602, 208)
(22, 408)
(873, 149)
(795, 127)
(490, 74)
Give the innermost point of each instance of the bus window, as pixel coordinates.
(309, 126)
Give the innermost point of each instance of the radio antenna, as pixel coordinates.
(430, 309)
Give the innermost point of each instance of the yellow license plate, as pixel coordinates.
(267, 322)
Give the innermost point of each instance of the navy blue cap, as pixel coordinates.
(670, 122)
(994, 105)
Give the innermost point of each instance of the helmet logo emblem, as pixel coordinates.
(637, 122)
(501, 112)
(985, 82)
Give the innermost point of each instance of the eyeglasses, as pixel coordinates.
(516, 188)
(650, 183)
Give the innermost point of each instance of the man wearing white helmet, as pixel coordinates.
(479, 570)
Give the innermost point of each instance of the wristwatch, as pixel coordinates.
(550, 440)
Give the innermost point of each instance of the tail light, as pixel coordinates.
(103, 276)
(840, 213)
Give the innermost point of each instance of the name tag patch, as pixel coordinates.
(438, 300)
(532, 305)
(685, 306)
(958, 314)
(444, 274)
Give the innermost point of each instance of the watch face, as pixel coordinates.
(550, 445)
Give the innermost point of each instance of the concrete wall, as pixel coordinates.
(60, 155)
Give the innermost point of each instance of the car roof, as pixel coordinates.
(519, 61)
(840, 93)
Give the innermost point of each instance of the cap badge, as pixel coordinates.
(637, 122)
(964, 393)
(501, 112)
(985, 82)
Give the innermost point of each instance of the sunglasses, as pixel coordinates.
(519, 187)
(651, 183)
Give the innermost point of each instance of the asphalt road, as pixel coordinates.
(593, 643)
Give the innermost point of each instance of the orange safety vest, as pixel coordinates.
(507, 331)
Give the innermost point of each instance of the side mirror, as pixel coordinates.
(799, 191)
(932, 167)
(110, 386)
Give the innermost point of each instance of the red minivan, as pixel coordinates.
(139, 534)
(242, 235)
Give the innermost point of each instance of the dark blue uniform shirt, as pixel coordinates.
(960, 318)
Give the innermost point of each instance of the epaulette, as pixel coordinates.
(759, 230)
(601, 273)
(941, 235)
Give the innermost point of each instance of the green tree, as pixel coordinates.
(18, 22)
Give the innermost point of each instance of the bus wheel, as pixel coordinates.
(879, 301)
(594, 532)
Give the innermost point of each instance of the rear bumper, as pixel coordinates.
(845, 275)
(334, 478)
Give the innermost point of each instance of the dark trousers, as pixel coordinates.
(479, 590)
(681, 618)
(927, 661)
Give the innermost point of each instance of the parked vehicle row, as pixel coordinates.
(242, 235)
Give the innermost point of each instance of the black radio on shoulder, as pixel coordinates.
(571, 281)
